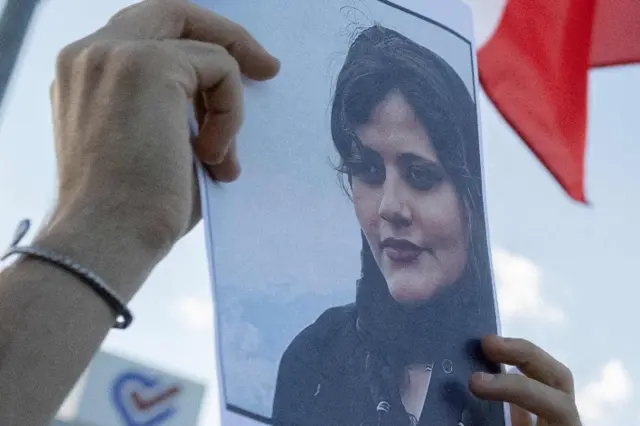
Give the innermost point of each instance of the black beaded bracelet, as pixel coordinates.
(123, 315)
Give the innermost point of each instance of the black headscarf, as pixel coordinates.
(444, 328)
(447, 326)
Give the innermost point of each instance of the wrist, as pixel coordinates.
(115, 249)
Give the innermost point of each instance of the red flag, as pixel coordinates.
(616, 33)
(534, 68)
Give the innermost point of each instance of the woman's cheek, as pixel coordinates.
(441, 214)
(367, 204)
(445, 222)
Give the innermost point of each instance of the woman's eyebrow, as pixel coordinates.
(410, 158)
(367, 152)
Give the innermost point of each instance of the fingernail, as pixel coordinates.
(486, 377)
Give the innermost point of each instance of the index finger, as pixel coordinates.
(174, 19)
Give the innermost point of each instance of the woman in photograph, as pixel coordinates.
(405, 127)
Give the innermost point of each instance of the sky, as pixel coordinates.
(564, 271)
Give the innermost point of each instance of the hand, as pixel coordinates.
(545, 389)
(120, 101)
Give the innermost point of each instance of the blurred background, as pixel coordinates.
(564, 272)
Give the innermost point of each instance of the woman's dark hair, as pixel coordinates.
(381, 60)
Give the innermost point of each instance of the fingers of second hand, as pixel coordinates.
(553, 405)
(520, 416)
(531, 360)
(173, 19)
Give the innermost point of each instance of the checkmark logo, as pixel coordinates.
(142, 400)
(143, 404)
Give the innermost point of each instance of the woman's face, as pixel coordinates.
(406, 204)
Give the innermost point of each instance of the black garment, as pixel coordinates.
(323, 381)
(345, 366)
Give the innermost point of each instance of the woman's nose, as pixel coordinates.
(393, 206)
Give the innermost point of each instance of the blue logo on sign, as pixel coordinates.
(142, 400)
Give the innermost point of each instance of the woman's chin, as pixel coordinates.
(410, 295)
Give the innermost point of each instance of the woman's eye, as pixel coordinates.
(422, 178)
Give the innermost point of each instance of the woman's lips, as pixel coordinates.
(401, 251)
(402, 256)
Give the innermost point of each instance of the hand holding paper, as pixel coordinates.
(539, 385)
(150, 62)
(127, 190)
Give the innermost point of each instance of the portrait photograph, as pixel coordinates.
(350, 262)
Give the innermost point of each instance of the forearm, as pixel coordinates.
(51, 323)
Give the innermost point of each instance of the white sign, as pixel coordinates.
(354, 304)
(119, 392)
